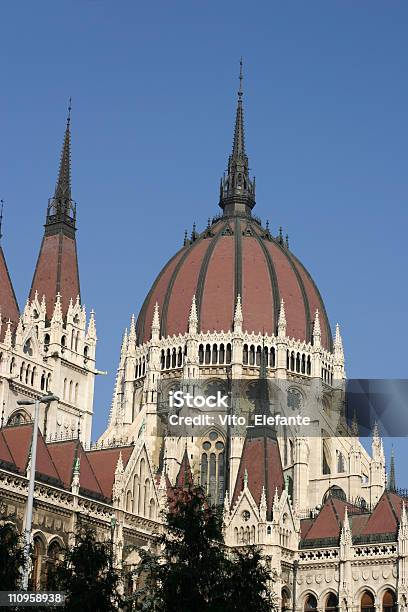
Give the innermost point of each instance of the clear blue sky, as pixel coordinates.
(154, 88)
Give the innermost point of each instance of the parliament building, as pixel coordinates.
(233, 304)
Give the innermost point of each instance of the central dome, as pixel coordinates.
(234, 256)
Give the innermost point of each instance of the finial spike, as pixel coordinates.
(241, 78)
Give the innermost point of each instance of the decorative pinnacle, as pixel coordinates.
(156, 320)
(238, 317)
(316, 326)
(245, 478)
(193, 318)
(282, 320)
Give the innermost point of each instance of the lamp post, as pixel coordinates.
(29, 514)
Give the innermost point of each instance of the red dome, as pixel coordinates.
(235, 256)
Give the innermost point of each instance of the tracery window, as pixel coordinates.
(53, 557)
(213, 467)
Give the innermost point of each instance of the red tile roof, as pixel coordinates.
(261, 458)
(8, 302)
(56, 271)
(104, 462)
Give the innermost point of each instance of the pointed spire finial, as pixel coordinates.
(392, 486)
(238, 317)
(193, 317)
(61, 207)
(241, 78)
(245, 478)
(317, 334)
(156, 322)
(237, 190)
(282, 320)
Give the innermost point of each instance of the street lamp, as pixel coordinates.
(29, 514)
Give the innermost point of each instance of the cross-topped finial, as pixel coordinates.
(241, 78)
(69, 110)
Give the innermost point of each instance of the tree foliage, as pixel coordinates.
(191, 569)
(87, 576)
(11, 558)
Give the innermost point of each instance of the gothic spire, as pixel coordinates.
(237, 190)
(61, 208)
(57, 265)
(391, 482)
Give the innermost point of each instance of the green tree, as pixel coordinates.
(87, 576)
(11, 558)
(191, 570)
(249, 581)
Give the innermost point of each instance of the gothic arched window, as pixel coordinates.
(213, 467)
(389, 601)
(367, 602)
(310, 604)
(53, 557)
(332, 603)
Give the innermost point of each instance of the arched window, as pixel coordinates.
(367, 602)
(201, 354)
(258, 355)
(152, 509)
(229, 353)
(36, 577)
(286, 605)
(213, 467)
(162, 360)
(310, 603)
(179, 358)
(76, 393)
(129, 501)
(207, 353)
(245, 355)
(292, 361)
(341, 464)
(332, 603)
(33, 376)
(298, 362)
(272, 357)
(19, 418)
(389, 602)
(70, 390)
(43, 381)
(214, 358)
(173, 358)
(167, 358)
(53, 557)
(221, 355)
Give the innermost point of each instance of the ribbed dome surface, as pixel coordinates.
(235, 256)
